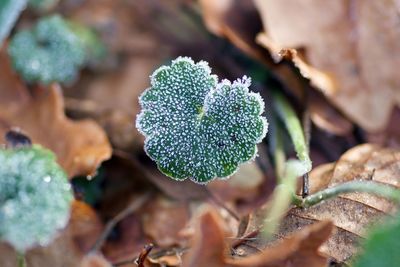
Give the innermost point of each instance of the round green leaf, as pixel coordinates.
(50, 52)
(35, 197)
(196, 127)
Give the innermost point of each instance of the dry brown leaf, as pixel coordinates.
(300, 249)
(351, 52)
(230, 19)
(352, 213)
(246, 190)
(164, 219)
(389, 137)
(239, 22)
(80, 146)
(208, 246)
(369, 162)
(327, 117)
(95, 260)
(69, 248)
(168, 260)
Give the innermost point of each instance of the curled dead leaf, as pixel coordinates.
(209, 247)
(352, 213)
(343, 49)
(300, 249)
(208, 244)
(80, 146)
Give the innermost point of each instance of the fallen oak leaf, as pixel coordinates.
(342, 51)
(80, 146)
(352, 213)
(230, 19)
(369, 162)
(208, 243)
(301, 249)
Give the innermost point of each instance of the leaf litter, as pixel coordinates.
(191, 225)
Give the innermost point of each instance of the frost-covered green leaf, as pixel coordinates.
(42, 5)
(381, 247)
(35, 197)
(9, 13)
(196, 127)
(49, 52)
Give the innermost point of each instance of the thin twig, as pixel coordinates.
(155, 255)
(249, 236)
(132, 207)
(307, 135)
(143, 255)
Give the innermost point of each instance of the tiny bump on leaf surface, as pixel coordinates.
(196, 127)
(35, 197)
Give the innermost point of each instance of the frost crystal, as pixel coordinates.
(35, 197)
(196, 127)
(49, 52)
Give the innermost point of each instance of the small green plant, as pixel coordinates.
(197, 127)
(52, 51)
(35, 197)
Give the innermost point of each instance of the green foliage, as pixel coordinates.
(53, 51)
(35, 197)
(381, 248)
(196, 127)
(9, 13)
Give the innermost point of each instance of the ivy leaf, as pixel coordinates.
(49, 52)
(35, 197)
(9, 13)
(196, 127)
(381, 247)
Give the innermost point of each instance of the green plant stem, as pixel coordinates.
(281, 198)
(296, 133)
(372, 187)
(289, 171)
(21, 259)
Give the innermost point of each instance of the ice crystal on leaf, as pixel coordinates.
(49, 52)
(196, 127)
(35, 197)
